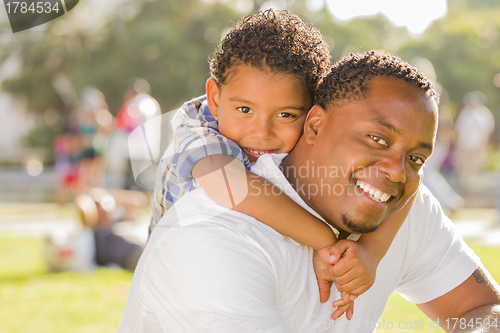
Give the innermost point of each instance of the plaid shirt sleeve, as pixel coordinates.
(196, 136)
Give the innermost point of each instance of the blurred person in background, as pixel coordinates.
(450, 200)
(139, 107)
(94, 123)
(474, 127)
(67, 147)
(111, 233)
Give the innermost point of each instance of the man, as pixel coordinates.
(207, 269)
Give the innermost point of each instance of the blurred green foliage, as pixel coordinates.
(168, 44)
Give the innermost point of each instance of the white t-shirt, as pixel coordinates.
(209, 269)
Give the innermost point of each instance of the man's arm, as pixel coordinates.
(473, 306)
(444, 277)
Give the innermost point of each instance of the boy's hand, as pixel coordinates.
(323, 277)
(344, 304)
(352, 266)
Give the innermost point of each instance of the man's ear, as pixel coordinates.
(212, 96)
(315, 118)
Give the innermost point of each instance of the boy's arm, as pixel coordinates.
(227, 182)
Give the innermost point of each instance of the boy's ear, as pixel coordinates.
(212, 96)
(315, 118)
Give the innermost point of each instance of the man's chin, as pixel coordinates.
(357, 228)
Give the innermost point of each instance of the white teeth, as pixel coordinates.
(376, 195)
(258, 152)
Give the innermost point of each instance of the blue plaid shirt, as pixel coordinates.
(197, 136)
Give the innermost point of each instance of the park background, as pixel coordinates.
(104, 44)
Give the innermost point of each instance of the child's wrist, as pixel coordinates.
(323, 246)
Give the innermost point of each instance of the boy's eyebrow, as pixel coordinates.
(287, 107)
(391, 127)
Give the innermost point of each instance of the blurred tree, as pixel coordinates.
(465, 50)
(167, 43)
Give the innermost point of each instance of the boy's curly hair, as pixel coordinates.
(349, 77)
(277, 39)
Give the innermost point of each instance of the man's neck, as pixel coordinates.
(291, 167)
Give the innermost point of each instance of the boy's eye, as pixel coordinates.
(244, 109)
(379, 140)
(416, 160)
(286, 115)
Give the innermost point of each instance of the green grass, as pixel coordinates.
(33, 300)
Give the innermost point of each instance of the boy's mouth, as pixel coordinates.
(256, 153)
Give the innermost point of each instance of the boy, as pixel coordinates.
(263, 78)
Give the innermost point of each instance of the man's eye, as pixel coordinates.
(379, 140)
(416, 160)
(286, 115)
(244, 109)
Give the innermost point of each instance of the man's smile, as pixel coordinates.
(373, 192)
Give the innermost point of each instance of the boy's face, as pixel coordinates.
(373, 150)
(263, 112)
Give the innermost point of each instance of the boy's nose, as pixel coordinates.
(262, 129)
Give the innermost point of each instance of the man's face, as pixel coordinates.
(374, 150)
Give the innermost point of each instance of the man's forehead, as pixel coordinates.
(394, 105)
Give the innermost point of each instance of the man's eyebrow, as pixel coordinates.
(286, 107)
(426, 145)
(387, 125)
(391, 127)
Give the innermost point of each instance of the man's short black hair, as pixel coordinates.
(349, 77)
(276, 39)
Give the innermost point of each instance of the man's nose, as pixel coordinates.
(262, 128)
(394, 167)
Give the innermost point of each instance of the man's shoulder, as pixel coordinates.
(425, 204)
